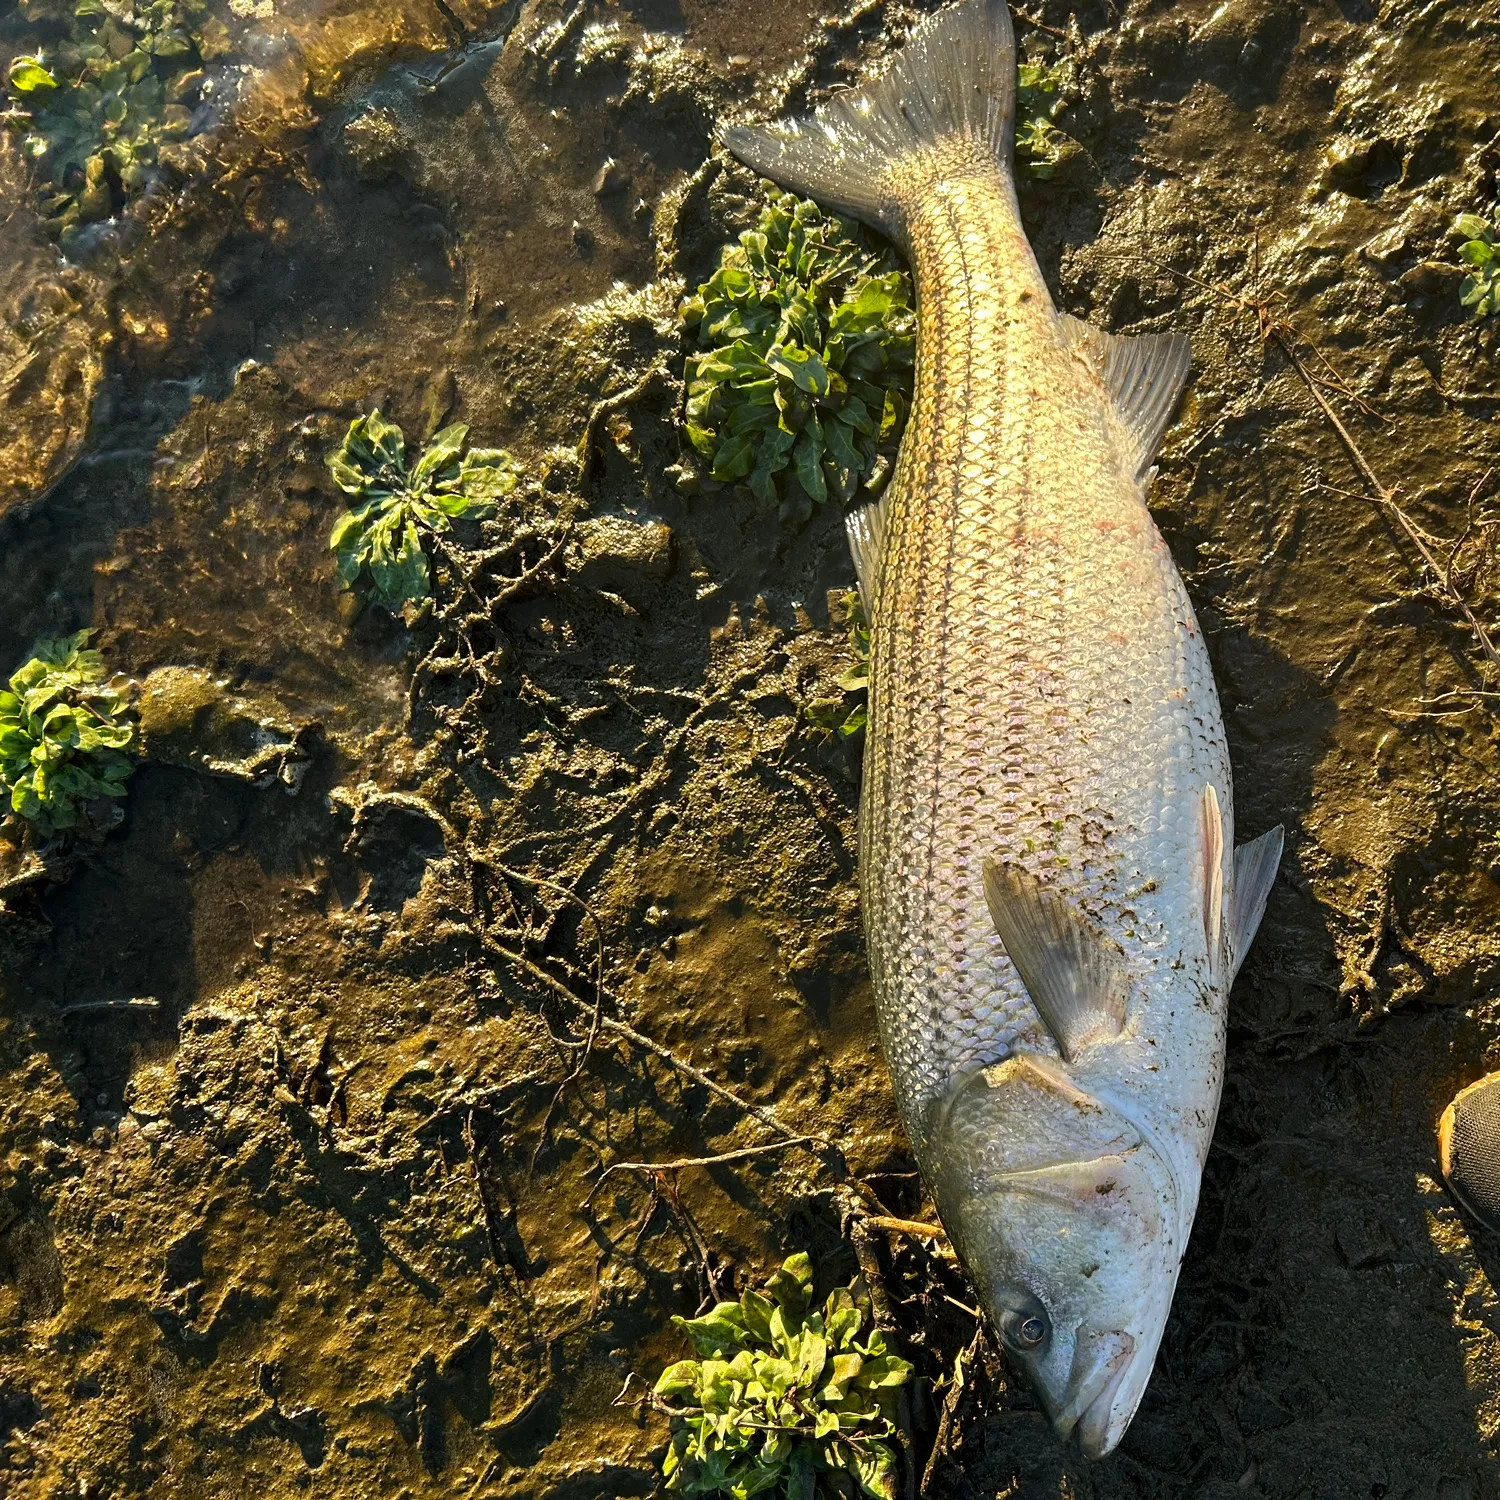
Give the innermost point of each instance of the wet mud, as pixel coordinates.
(310, 1073)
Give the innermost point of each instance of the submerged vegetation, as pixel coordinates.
(803, 385)
(113, 84)
(64, 736)
(1480, 251)
(381, 540)
(847, 715)
(784, 1399)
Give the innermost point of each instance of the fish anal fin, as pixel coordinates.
(1073, 971)
(1255, 866)
(1213, 876)
(1144, 375)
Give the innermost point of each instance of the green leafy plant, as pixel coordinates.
(847, 715)
(1040, 145)
(63, 735)
(96, 109)
(1480, 251)
(397, 507)
(804, 382)
(784, 1399)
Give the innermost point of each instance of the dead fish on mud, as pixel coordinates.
(1053, 904)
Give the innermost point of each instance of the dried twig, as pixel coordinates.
(744, 1153)
(1327, 380)
(942, 1446)
(916, 1230)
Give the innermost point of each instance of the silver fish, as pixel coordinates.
(1052, 901)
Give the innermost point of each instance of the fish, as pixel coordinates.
(1053, 906)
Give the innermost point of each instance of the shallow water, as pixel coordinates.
(314, 1222)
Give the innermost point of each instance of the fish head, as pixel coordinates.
(1067, 1221)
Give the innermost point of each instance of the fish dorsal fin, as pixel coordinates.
(865, 528)
(1073, 971)
(1213, 877)
(1144, 375)
(1255, 866)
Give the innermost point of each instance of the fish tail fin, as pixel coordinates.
(954, 78)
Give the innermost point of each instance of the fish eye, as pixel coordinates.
(1026, 1327)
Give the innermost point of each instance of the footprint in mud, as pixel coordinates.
(393, 845)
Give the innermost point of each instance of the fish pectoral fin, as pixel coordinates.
(1255, 866)
(865, 528)
(1073, 971)
(1144, 375)
(1213, 877)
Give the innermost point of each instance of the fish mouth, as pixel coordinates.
(1103, 1422)
(1089, 1410)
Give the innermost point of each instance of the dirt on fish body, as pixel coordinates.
(310, 1222)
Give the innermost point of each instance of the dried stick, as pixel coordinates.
(1277, 330)
(744, 1153)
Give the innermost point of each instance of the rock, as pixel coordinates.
(610, 178)
(190, 720)
(1260, 1412)
(1364, 1240)
(1433, 278)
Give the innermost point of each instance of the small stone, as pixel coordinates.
(1260, 1412)
(376, 144)
(610, 178)
(1433, 278)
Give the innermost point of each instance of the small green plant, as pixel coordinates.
(1480, 251)
(63, 736)
(846, 716)
(380, 538)
(804, 381)
(1040, 145)
(121, 79)
(784, 1399)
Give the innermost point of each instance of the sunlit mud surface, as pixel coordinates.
(312, 1215)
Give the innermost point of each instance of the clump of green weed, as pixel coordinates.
(398, 507)
(1040, 145)
(847, 715)
(1480, 251)
(804, 382)
(97, 107)
(64, 735)
(783, 1398)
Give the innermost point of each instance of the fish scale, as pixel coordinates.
(1029, 656)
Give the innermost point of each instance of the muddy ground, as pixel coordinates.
(311, 1215)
